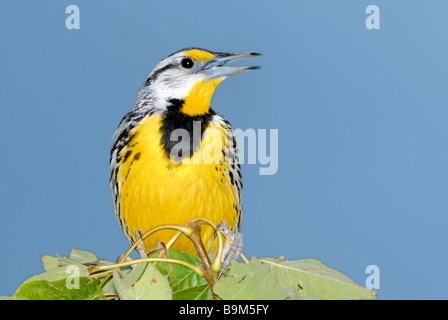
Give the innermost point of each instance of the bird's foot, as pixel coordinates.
(233, 246)
(160, 246)
(140, 249)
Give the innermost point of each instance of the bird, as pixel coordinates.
(174, 158)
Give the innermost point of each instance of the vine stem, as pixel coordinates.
(192, 231)
(188, 231)
(109, 267)
(216, 265)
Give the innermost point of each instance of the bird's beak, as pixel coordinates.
(215, 67)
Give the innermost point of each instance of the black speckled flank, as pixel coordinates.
(174, 119)
(132, 119)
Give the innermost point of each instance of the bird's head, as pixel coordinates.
(190, 76)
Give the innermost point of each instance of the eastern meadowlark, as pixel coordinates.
(154, 176)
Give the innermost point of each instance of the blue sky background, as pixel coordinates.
(362, 119)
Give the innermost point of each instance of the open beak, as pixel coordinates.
(215, 67)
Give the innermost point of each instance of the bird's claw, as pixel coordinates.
(233, 246)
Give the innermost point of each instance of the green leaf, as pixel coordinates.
(76, 257)
(82, 256)
(250, 281)
(186, 283)
(60, 283)
(197, 292)
(132, 276)
(50, 262)
(152, 285)
(297, 279)
(315, 280)
(267, 278)
(120, 288)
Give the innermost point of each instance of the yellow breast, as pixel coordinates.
(154, 191)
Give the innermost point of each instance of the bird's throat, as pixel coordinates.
(197, 102)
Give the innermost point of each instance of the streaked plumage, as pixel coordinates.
(150, 183)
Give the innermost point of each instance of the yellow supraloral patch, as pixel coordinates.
(197, 54)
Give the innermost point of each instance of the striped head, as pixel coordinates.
(189, 76)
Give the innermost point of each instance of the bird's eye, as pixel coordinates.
(187, 63)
